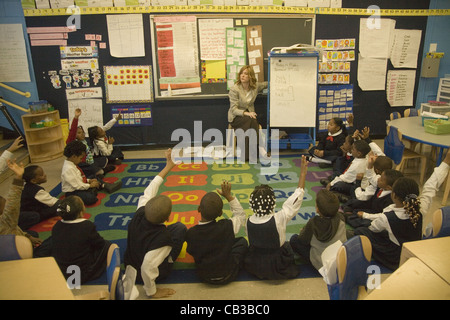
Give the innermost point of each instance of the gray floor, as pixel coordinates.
(298, 289)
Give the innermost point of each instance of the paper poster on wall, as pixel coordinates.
(78, 52)
(212, 38)
(128, 84)
(400, 87)
(214, 71)
(334, 102)
(405, 49)
(13, 54)
(236, 53)
(78, 64)
(83, 93)
(255, 51)
(133, 115)
(372, 73)
(177, 52)
(126, 35)
(91, 112)
(375, 37)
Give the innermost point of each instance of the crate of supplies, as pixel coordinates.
(300, 140)
(437, 126)
(432, 116)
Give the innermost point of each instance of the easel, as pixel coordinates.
(292, 94)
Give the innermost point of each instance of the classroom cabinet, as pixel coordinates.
(44, 135)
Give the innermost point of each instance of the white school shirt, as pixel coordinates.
(369, 191)
(380, 221)
(282, 217)
(71, 178)
(100, 146)
(357, 166)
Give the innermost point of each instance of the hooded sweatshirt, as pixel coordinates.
(319, 233)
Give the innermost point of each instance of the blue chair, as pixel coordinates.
(441, 222)
(395, 149)
(411, 112)
(352, 261)
(114, 274)
(395, 115)
(13, 247)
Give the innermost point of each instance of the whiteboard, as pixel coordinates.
(293, 91)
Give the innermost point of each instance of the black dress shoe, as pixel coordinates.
(324, 182)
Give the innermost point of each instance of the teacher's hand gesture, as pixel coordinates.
(250, 114)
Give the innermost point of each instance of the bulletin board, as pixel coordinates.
(276, 30)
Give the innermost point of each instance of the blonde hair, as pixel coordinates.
(251, 75)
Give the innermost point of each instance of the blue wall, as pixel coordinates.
(438, 28)
(11, 12)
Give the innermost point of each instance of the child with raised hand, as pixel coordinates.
(91, 166)
(103, 145)
(218, 254)
(270, 255)
(8, 153)
(329, 147)
(75, 241)
(152, 247)
(10, 207)
(403, 220)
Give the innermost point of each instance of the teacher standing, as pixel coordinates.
(241, 114)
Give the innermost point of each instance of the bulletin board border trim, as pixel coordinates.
(234, 9)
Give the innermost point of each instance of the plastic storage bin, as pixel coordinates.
(300, 140)
(38, 107)
(438, 126)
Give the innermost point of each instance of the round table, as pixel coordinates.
(412, 129)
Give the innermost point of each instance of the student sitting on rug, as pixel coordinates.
(73, 179)
(152, 247)
(342, 161)
(91, 166)
(322, 230)
(270, 255)
(329, 147)
(218, 254)
(36, 204)
(346, 182)
(402, 221)
(103, 146)
(353, 209)
(75, 241)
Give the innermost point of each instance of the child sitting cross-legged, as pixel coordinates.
(218, 254)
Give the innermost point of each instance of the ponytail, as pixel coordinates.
(412, 208)
(407, 190)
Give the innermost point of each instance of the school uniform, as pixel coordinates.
(152, 248)
(376, 204)
(103, 148)
(331, 146)
(347, 181)
(270, 256)
(319, 233)
(74, 182)
(77, 242)
(391, 228)
(218, 254)
(36, 201)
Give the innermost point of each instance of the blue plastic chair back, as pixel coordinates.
(413, 112)
(110, 270)
(8, 249)
(355, 272)
(393, 147)
(445, 228)
(395, 115)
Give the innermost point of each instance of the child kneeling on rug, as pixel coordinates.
(152, 247)
(218, 254)
(270, 256)
(75, 241)
(322, 230)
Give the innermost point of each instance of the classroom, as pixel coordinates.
(118, 107)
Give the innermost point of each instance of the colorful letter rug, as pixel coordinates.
(185, 185)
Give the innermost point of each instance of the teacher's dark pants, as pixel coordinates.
(245, 123)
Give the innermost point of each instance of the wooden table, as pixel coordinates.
(434, 253)
(33, 279)
(413, 280)
(412, 129)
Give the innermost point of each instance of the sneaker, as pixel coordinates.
(113, 187)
